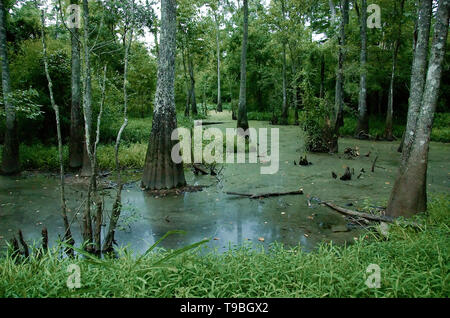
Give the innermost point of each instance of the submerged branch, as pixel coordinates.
(265, 195)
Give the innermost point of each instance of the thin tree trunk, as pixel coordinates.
(67, 233)
(188, 90)
(155, 34)
(294, 85)
(338, 119)
(409, 196)
(10, 157)
(285, 110)
(390, 108)
(242, 121)
(390, 111)
(160, 171)
(284, 115)
(76, 142)
(98, 200)
(87, 113)
(362, 129)
(117, 206)
(322, 77)
(192, 90)
(219, 93)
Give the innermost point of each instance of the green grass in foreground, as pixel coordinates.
(414, 263)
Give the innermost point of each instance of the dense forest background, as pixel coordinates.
(310, 50)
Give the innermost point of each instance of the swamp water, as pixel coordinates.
(31, 201)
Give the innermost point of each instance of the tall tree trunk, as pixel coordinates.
(67, 233)
(117, 206)
(294, 85)
(10, 157)
(284, 114)
(160, 172)
(362, 129)
(417, 75)
(155, 35)
(219, 93)
(242, 121)
(76, 142)
(192, 90)
(409, 196)
(338, 119)
(414, 45)
(390, 110)
(322, 76)
(87, 167)
(285, 110)
(188, 90)
(88, 160)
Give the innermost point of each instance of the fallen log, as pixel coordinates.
(367, 216)
(198, 168)
(265, 195)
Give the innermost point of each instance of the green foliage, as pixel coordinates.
(441, 127)
(440, 132)
(138, 130)
(413, 263)
(132, 152)
(261, 116)
(24, 103)
(45, 158)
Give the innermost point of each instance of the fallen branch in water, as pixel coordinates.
(371, 217)
(198, 168)
(359, 214)
(265, 195)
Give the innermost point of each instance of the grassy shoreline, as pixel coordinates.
(413, 263)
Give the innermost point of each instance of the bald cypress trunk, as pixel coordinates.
(160, 172)
(76, 142)
(362, 129)
(10, 157)
(409, 196)
(242, 121)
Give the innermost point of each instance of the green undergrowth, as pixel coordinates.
(413, 263)
(440, 131)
